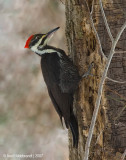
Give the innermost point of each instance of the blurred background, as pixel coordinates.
(28, 122)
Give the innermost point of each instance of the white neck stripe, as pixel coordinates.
(45, 51)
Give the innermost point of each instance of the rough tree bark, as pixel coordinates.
(109, 138)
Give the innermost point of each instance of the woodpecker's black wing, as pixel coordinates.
(69, 75)
(50, 64)
(62, 101)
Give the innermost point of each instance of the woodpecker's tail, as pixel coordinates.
(74, 130)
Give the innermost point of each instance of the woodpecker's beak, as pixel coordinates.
(50, 34)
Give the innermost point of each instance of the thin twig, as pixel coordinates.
(118, 57)
(115, 99)
(62, 2)
(105, 21)
(99, 136)
(100, 89)
(120, 51)
(124, 155)
(115, 80)
(92, 7)
(119, 114)
(94, 29)
(122, 97)
(120, 111)
(97, 37)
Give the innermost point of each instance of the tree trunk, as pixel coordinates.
(109, 137)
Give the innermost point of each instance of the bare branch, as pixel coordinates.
(62, 2)
(105, 21)
(92, 8)
(119, 114)
(124, 155)
(119, 35)
(117, 100)
(118, 57)
(99, 136)
(115, 80)
(94, 29)
(97, 36)
(113, 91)
(120, 51)
(100, 89)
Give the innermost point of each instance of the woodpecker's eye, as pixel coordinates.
(37, 37)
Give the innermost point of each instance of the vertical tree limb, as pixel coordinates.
(105, 21)
(94, 29)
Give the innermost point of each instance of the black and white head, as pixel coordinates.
(38, 42)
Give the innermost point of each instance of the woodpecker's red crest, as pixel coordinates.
(28, 41)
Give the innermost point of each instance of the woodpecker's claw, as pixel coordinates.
(89, 70)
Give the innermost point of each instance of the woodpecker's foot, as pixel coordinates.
(88, 73)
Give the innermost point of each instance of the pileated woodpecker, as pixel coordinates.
(61, 77)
